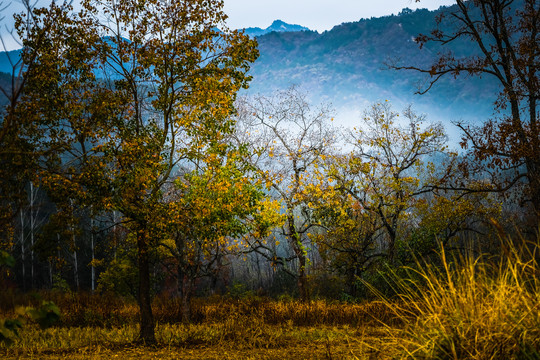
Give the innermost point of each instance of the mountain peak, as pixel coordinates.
(277, 26)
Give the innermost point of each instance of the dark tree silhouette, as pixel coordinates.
(505, 34)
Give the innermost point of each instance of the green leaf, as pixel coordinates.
(9, 329)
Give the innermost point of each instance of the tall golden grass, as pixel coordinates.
(472, 307)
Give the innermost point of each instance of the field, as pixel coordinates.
(223, 328)
(465, 308)
(207, 342)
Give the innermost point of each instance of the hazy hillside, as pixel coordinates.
(7, 59)
(346, 66)
(5, 83)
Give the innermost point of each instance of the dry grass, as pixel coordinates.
(473, 307)
(240, 338)
(467, 308)
(224, 328)
(88, 310)
(313, 313)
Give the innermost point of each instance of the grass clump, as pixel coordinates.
(472, 307)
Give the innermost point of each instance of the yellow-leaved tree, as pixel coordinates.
(216, 201)
(382, 171)
(122, 94)
(381, 201)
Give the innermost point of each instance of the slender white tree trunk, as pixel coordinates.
(75, 267)
(93, 269)
(75, 262)
(58, 257)
(50, 273)
(23, 250)
(115, 220)
(32, 226)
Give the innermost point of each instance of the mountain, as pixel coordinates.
(277, 26)
(347, 66)
(6, 58)
(5, 83)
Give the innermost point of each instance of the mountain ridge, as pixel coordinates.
(348, 67)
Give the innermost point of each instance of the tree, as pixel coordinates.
(287, 138)
(168, 79)
(442, 218)
(349, 241)
(215, 204)
(14, 88)
(383, 173)
(506, 37)
(381, 202)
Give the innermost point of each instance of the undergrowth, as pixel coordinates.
(240, 335)
(87, 310)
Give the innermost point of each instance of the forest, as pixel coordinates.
(151, 208)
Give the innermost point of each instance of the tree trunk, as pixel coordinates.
(93, 268)
(298, 249)
(351, 281)
(32, 224)
(147, 331)
(534, 185)
(302, 280)
(76, 268)
(187, 288)
(22, 251)
(50, 273)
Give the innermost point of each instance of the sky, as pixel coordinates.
(317, 15)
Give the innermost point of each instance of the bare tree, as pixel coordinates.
(287, 137)
(506, 37)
